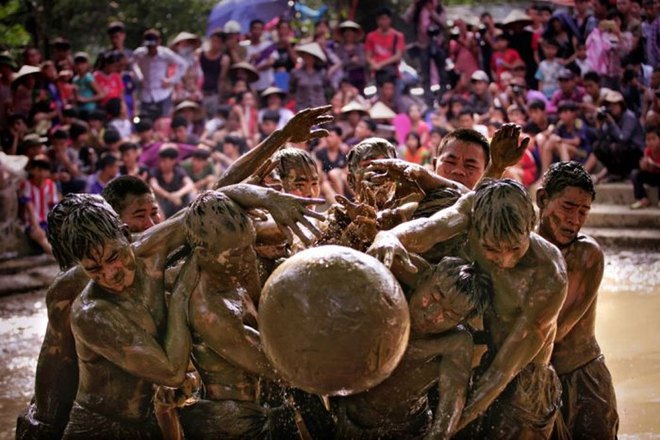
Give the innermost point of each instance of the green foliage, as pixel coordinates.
(12, 33)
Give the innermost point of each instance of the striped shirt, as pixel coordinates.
(42, 197)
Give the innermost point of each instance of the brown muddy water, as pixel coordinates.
(628, 329)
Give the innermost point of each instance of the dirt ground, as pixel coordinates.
(627, 329)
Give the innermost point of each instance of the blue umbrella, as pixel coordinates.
(244, 11)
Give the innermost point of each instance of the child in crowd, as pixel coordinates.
(548, 71)
(38, 195)
(171, 184)
(649, 170)
(108, 169)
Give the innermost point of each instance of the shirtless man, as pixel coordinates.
(227, 350)
(529, 280)
(588, 400)
(119, 320)
(439, 352)
(56, 378)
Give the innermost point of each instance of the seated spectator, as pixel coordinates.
(107, 77)
(480, 99)
(568, 89)
(384, 49)
(111, 141)
(466, 121)
(32, 145)
(180, 133)
(352, 55)
(118, 116)
(366, 128)
(308, 82)
(350, 116)
(230, 149)
(619, 139)
(107, 169)
(200, 169)
(268, 124)
(79, 135)
(214, 124)
(414, 151)
(504, 58)
(171, 184)
(65, 164)
(272, 99)
(332, 158)
(12, 137)
(649, 170)
(37, 196)
(594, 93)
(130, 167)
(569, 141)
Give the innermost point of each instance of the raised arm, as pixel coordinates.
(533, 330)
(505, 150)
(105, 329)
(298, 129)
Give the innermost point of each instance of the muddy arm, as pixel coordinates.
(532, 330)
(584, 290)
(106, 330)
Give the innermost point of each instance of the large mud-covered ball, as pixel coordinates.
(333, 321)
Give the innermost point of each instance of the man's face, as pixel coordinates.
(566, 85)
(623, 6)
(433, 310)
(181, 134)
(537, 116)
(129, 157)
(117, 39)
(479, 87)
(384, 22)
(111, 266)
(141, 212)
(256, 31)
(563, 215)
(333, 139)
(567, 116)
(461, 162)
(592, 88)
(302, 181)
(362, 130)
(465, 121)
(387, 90)
(505, 255)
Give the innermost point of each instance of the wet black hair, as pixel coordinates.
(290, 158)
(57, 217)
(454, 274)
(88, 227)
(564, 174)
(368, 147)
(469, 136)
(116, 192)
(502, 211)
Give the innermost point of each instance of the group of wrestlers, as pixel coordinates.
(153, 326)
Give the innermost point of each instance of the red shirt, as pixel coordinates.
(383, 46)
(509, 56)
(111, 84)
(655, 159)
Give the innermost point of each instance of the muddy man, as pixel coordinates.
(588, 400)
(519, 387)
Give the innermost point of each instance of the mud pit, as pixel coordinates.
(627, 330)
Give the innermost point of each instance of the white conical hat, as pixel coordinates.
(381, 111)
(314, 50)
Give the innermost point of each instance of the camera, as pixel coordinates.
(516, 89)
(601, 113)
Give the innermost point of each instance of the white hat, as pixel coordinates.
(15, 164)
(314, 50)
(353, 106)
(381, 111)
(480, 75)
(516, 16)
(231, 27)
(185, 36)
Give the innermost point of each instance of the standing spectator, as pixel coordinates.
(200, 169)
(79, 135)
(231, 32)
(185, 45)
(37, 196)
(583, 20)
(521, 39)
(117, 35)
(651, 29)
(262, 54)
(107, 169)
(569, 141)
(548, 71)
(62, 53)
(24, 86)
(308, 82)
(464, 52)
(649, 169)
(286, 55)
(214, 62)
(619, 139)
(32, 57)
(170, 182)
(350, 51)
(429, 20)
(86, 91)
(108, 78)
(560, 30)
(12, 137)
(153, 61)
(414, 151)
(384, 48)
(605, 48)
(7, 68)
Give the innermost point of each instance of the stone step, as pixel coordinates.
(621, 216)
(625, 237)
(28, 280)
(621, 193)
(16, 264)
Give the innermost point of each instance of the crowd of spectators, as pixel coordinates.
(583, 81)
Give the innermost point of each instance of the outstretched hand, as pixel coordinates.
(505, 150)
(299, 128)
(386, 247)
(288, 210)
(394, 170)
(355, 210)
